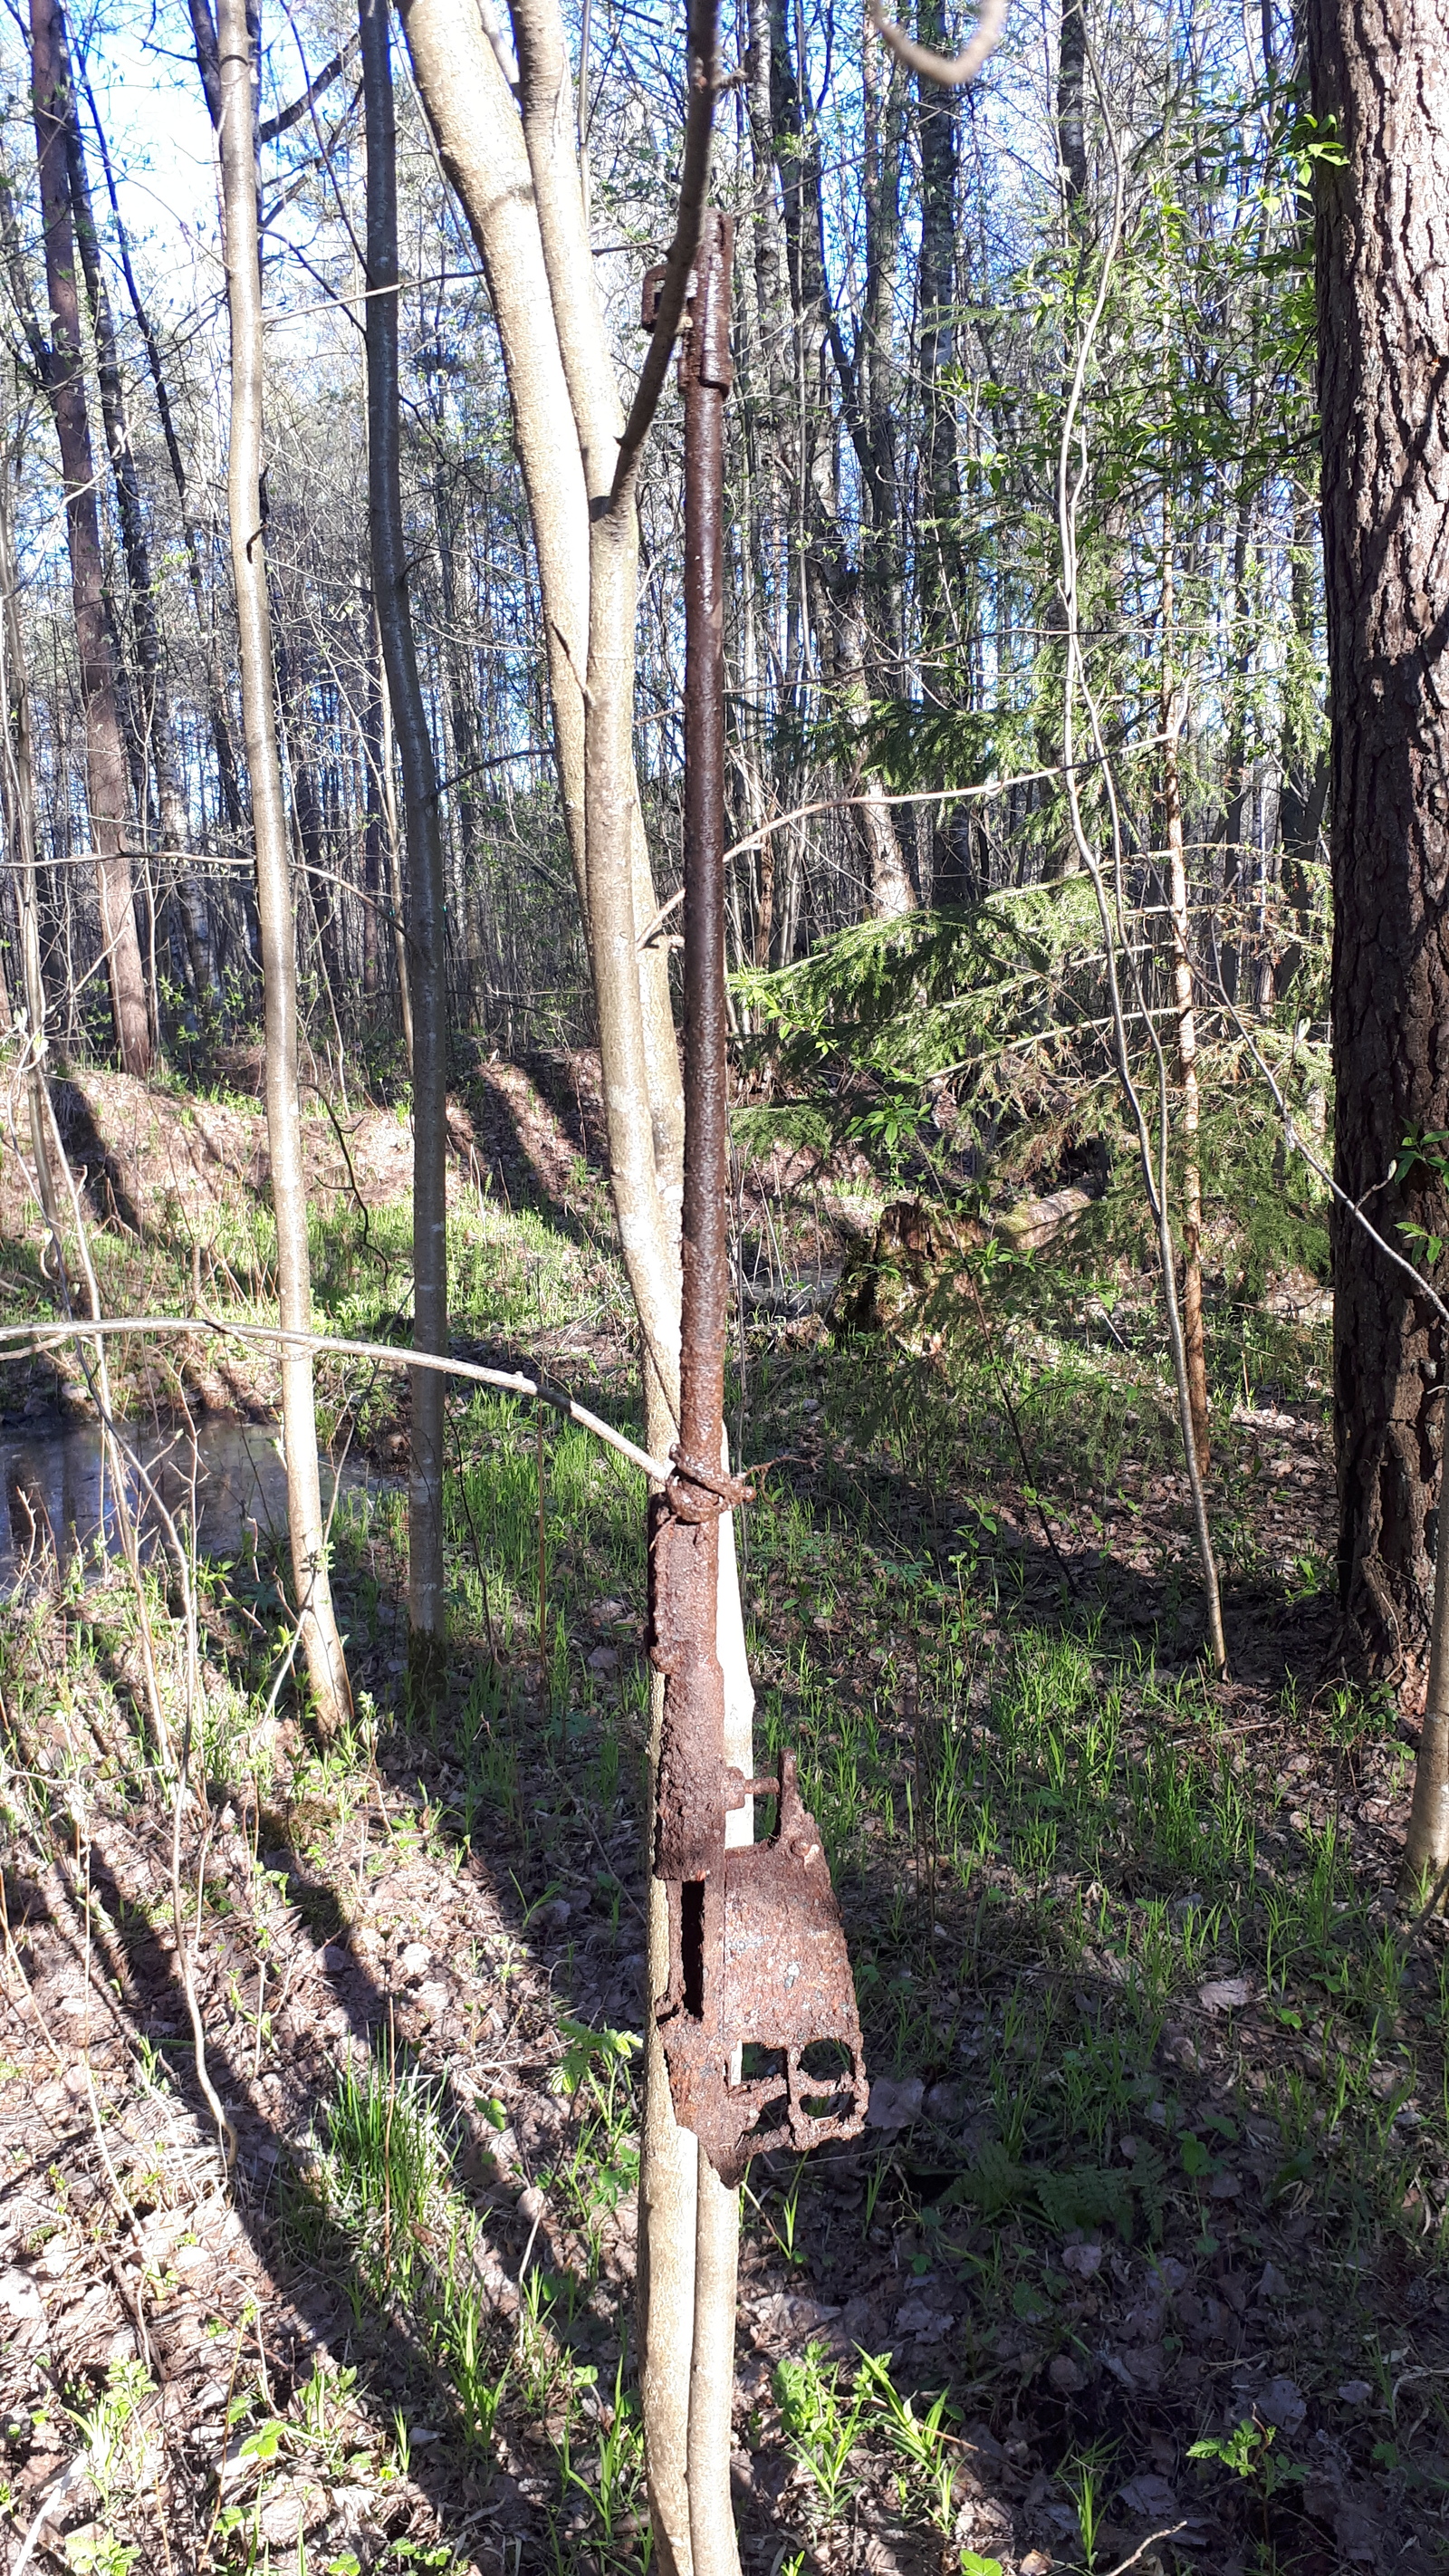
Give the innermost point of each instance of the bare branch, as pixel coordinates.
(29, 1340)
(272, 126)
(952, 72)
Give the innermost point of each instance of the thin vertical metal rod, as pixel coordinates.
(705, 366)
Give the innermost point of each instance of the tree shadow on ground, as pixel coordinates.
(486, 1830)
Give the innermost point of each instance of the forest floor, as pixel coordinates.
(1140, 2262)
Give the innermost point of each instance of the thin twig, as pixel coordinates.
(1170, 2532)
(1071, 476)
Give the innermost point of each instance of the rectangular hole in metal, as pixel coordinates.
(826, 2069)
(770, 2066)
(760, 2065)
(691, 1944)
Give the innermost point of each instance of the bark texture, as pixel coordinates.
(1380, 72)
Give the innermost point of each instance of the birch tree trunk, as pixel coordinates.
(321, 1644)
(107, 783)
(427, 1644)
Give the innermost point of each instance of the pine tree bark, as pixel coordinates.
(107, 783)
(236, 94)
(1380, 88)
(427, 1646)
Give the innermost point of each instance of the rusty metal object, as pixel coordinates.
(757, 1955)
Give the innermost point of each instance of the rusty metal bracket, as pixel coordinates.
(758, 2021)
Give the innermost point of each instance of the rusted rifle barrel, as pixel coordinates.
(706, 371)
(757, 1956)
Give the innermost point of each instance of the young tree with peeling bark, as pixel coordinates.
(235, 114)
(427, 1644)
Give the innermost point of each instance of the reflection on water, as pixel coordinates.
(230, 1478)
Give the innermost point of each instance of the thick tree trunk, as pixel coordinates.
(481, 146)
(321, 1644)
(1380, 73)
(106, 779)
(427, 1649)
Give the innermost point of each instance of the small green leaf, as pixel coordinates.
(1196, 2158)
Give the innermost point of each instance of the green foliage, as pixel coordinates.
(936, 992)
(1266, 1212)
(1248, 2452)
(594, 2053)
(1084, 2196)
(921, 2441)
(820, 2426)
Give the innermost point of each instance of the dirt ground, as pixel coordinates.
(1157, 2151)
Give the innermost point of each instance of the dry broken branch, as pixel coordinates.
(951, 71)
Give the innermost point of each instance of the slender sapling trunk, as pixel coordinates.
(1194, 1350)
(426, 1620)
(321, 1643)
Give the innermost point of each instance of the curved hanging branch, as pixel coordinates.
(951, 71)
(30, 1341)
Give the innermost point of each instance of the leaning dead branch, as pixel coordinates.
(32, 1341)
(951, 71)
